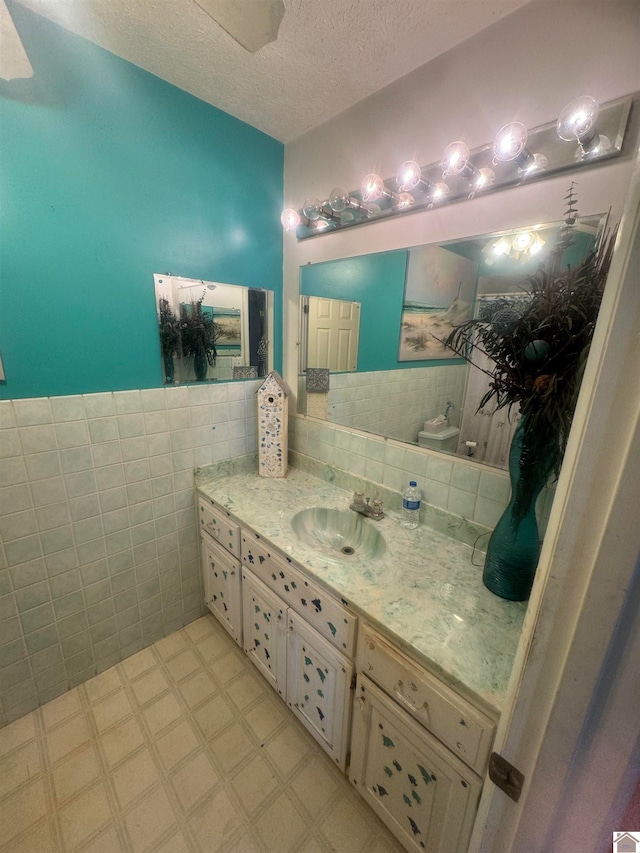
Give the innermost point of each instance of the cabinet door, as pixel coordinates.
(426, 796)
(222, 587)
(319, 687)
(265, 634)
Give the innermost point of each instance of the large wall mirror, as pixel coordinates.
(213, 331)
(406, 385)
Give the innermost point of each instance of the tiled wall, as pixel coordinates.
(396, 402)
(99, 547)
(474, 491)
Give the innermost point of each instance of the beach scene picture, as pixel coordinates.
(439, 293)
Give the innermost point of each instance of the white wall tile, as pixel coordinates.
(67, 409)
(41, 466)
(130, 425)
(7, 415)
(103, 430)
(99, 405)
(33, 411)
(10, 444)
(78, 459)
(127, 402)
(71, 434)
(153, 399)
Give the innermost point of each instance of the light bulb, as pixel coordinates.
(440, 191)
(311, 208)
(578, 119)
(290, 219)
(484, 178)
(523, 241)
(340, 200)
(372, 187)
(317, 210)
(408, 176)
(405, 200)
(510, 145)
(502, 247)
(455, 160)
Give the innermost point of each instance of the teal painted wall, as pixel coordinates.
(377, 282)
(107, 175)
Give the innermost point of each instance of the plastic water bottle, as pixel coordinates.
(411, 506)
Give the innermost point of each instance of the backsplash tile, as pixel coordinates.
(99, 554)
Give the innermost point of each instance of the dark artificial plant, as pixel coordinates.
(169, 327)
(539, 343)
(198, 334)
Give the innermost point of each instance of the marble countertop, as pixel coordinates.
(423, 590)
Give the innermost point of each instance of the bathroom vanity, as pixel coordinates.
(394, 656)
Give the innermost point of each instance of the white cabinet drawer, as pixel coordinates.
(216, 522)
(330, 618)
(464, 729)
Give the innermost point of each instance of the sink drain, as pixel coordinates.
(347, 550)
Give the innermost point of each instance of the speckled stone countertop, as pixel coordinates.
(424, 590)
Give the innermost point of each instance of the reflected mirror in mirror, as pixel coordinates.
(212, 331)
(408, 386)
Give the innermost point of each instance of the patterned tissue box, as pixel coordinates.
(317, 380)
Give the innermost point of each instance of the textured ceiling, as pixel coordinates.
(329, 54)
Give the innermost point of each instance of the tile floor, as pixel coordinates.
(182, 747)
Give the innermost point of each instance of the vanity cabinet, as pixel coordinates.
(418, 750)
(300, 654)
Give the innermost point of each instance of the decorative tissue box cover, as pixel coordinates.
(317, 380)
(245, 372)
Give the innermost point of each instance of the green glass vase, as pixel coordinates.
(200, 367)
(169, 369)
(514, 546)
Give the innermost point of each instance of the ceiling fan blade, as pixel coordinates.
(252, 23)
(14, 61)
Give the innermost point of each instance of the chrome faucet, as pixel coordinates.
(365, 506)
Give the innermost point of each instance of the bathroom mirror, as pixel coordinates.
(212, 331)
(409, 300)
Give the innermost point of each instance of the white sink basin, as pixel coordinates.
(339, 531)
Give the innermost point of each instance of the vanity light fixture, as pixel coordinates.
(521, 154)
(577, 121)
(520, 246)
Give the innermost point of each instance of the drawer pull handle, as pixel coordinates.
(402, 697)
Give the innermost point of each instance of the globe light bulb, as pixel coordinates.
(408, 176)
(405, 200)
(290, 219)
(440, 192)
(338, 199)
(484, 178)
(311, 208)
(510, 144)
(372, 187)
(455, 160)
(577, 120)
(523, 241)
